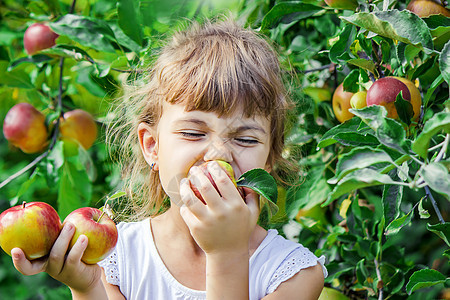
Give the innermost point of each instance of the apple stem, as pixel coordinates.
(23, 204)
(101, 216)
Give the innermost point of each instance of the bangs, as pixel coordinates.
(220, 72)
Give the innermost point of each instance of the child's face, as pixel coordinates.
(185, 139)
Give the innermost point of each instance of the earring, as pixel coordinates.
(151, 166)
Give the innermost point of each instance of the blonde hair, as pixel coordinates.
(214, 67)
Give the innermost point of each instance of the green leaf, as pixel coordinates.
(335, 134)
(117, 195)
(440, 121)
(442, 230)
(404, 109)
(392, 198)
(373, 115)
(363, 63)
(403, 26)
(392, 134)
(35, 59)
(358, 179)
(437, 177)
(424, 278)
(444, 62)
(15, 78)
(339, 52)
(434, 85)
(288, 12)
(397, 224)
(358, 158)
(87, 31)
(351, 80)
(356, 139)
(424, 214)
(74, 190)
(260, 181)
(129, 20)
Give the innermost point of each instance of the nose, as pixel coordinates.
(219, 149)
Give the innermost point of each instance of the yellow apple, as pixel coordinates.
(79, 126)
(358, 100)
(341, 104)
(100, 230)
(32, 227)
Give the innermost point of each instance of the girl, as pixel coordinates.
(214, 93)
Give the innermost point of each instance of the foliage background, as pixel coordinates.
(375, 231)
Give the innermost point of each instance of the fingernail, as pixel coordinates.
(68, 227)
(83, 239)
(15, 255)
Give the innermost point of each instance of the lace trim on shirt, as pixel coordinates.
(109, 264)
(300, 258)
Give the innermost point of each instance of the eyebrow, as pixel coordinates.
(237, 129)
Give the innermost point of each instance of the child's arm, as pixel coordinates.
(83, 280)
(308, 283)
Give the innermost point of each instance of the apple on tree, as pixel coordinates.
(384, 92)
(203, 167)
(24, 127)
(80, 126)
(32, 227)
(38, 37)
(342, 4)
(100, 230)
(341, 104)
(358, 100)
(426, 8)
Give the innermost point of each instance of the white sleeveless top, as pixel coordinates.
(136, 267)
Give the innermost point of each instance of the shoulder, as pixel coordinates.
(282, 261)
(308, 283)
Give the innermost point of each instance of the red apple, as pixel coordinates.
(38, 37)
(384, 92)
(32, 227)
(100, 230)
(203, 167)
(24, 127)
(79, 125)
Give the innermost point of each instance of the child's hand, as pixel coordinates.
(224, 224)
(62, 266)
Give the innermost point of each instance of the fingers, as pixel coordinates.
(58, 253)
(73, 259)
(24, 266)
(190, 200)
(205, 187)
(223, 182)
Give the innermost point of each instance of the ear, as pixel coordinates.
(148, 144)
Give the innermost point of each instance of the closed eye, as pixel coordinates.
(191, 135)
(246, 141)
